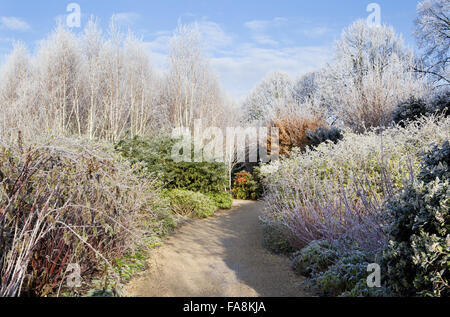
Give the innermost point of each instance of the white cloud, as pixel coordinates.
(317, 31)
(245, 66)
(14, 24)
(242, 64)
(264, 40)
(262, 25)
(126, 18)
(213, 35)
(260, 30)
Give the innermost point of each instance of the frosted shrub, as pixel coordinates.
(418, 254)
(67, 202)
(337, 190)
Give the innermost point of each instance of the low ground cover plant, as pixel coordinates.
(191, 204)
(336, 268)
(222, 200)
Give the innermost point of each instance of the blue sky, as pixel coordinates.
(244, 39)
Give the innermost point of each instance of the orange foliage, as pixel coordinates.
(292, 130)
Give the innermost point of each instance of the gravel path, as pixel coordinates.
(222, 256)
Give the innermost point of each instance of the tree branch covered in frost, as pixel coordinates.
(192, 91)
(104, 86)
(279, 95)
(274, 92)
(371, 73)
(433, 35)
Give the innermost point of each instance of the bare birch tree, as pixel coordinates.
(15, 74)
(104, 86)
(59, 64)
(192, 91)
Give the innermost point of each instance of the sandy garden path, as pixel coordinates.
(221, 256)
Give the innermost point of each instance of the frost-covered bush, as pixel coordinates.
(338, 190)
(68, 201)
(343, 276)
(348, 277)
(441, 104)
(336, 268)
(415, 108)
(418, 255)
(315, 258)
(275, 238)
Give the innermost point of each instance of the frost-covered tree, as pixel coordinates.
(92, 45)
(192, 91)
(59, 64)
(104, 86)
(274, 93)
(139, 75)
(16, 69)
(16, 85)
(371, 73)
(123, 90)
(433, 35)
(305, 88)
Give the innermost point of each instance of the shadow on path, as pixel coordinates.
(222, 256)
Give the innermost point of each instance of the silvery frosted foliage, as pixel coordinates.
(372, 71)
(433, 35)
(337, 190)
(417, 257)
